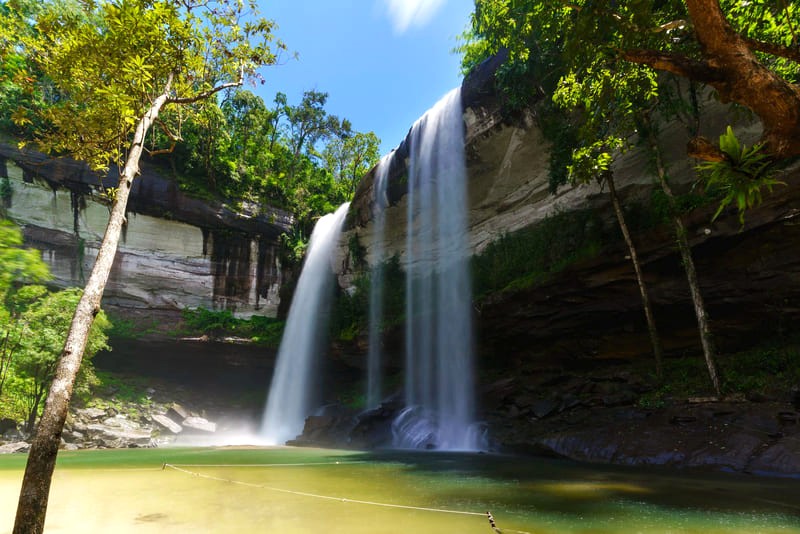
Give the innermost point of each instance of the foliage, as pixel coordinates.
(99, 65)
(35, 362)
(740, 176)
(18, 264)
(532, 255)
(263, 330)
(601, 60)
(351, 309)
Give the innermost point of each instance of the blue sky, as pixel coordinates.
(382, 62)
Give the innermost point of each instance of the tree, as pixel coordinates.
(114, 66)
(349, 155)
(748, 52)
(47, 321)
(18, 265)
(308, 123)
(613, 99)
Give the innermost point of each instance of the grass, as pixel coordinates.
(262, 330)
(532, 255)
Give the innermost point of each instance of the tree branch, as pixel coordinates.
(674, 63)
(205, 94)
(792, 53)
(160, 151)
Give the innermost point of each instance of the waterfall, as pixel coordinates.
(439, 383)
(291, 393)
(374, 358)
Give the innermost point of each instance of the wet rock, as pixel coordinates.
(198, 424)
(73, 436)
(373, 428)
(90, 414)
(682, 419)
(18, 446)
(544, 408)
(732, 452)
(167, 424)
(178, 413)
(782, 458)
(788, 417)
(118, 437)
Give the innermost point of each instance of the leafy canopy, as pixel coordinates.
(98, 66)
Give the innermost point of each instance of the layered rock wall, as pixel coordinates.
(176, 251)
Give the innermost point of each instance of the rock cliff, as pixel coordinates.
(177, 251)
(564, 362)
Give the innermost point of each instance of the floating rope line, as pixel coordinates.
(328, 497)
(306, 464)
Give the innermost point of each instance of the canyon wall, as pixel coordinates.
(176, 251)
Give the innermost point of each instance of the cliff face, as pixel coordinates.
(741, 267)
(176, 251)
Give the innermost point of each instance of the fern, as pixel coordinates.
(741, 176)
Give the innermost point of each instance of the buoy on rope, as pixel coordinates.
(492, 523)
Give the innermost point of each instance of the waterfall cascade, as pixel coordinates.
(439, 383)
(374, 358)
(291, 394)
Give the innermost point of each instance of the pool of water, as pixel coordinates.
(284, 490)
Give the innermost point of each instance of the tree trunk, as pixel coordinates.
(688, 265)
(655, 340)
(728, 64)
(34, 494)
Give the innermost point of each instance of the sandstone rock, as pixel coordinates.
(73, 436)
(90, 414)
(177, 413)
(18, 446)
(198, 424)
(165, 423)
(117, 437)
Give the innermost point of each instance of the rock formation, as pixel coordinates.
(177, 251)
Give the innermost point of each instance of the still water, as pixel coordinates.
(227, 490)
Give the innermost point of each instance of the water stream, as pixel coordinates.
(374, 358)
(291, 394)
(439, 379)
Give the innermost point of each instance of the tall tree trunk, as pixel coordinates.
(655, 340)
(34, 494)
(729, 64)
(688, 265)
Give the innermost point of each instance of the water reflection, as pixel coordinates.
(298, 491)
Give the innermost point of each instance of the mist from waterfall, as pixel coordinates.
(439, 381)
(375, 358)
(291, 394)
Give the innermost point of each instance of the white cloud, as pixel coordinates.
(411, 13)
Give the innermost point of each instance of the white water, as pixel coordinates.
(439, 385)
(374, 358)
(291, 395)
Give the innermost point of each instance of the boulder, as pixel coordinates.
(165, 423)
(18, 446)
(199, 425)
(117, 437)
(178, 413)
(90, 414)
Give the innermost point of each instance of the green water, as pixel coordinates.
(232, 490)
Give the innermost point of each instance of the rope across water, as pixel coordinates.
(181, 468)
